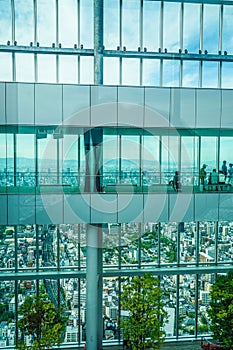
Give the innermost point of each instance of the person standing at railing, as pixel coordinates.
(202, 176)
(224, 168)
(176, 182)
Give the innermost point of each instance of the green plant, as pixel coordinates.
(41, 322)
(221, 310)
(142, 298)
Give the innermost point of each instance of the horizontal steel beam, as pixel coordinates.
(169, 56)
(157, 271)
(119, 53)
(46, 50)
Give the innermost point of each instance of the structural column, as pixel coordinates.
(94, 319)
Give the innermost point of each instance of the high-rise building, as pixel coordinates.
(113, 116)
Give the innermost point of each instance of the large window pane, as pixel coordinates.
(6, 67)
(111, 24)
(46, 69)
(151, 165)
(151, 25)
(191, 27)
(190, 74)
(87, 70)
(130, 159)
(130, 71)
(111, 159)
(227, 78)
(210, 74)
(68, 69)
(209, 152)
(67, 10)
(150, 72)
(25, 160)
(46, 22)
(24, 67)
(111, 71)
(130, 20)
(225, 150)
(24, 22)
(5, 21)
(87, 21)
(171, 26)
(171, 71)
(211, 24)
(227, 29)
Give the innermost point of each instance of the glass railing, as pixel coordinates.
(111, 182)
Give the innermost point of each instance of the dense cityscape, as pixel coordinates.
(139, 246)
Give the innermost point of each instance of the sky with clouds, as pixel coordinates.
(68, 36)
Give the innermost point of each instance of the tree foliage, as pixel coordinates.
(42, 323)
(221, 310)
(141, 297)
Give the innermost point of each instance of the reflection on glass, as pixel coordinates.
(225, 150)
(47, 237)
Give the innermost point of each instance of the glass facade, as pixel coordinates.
(121, 160)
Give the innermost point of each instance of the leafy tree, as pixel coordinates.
(221, 310)
(41, 322)
(141, 297)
